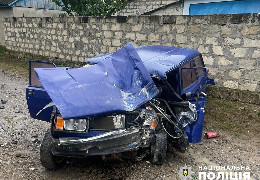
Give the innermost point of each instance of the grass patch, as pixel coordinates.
(2, 50)
(232, 117)
(14, 64)
(19, 63)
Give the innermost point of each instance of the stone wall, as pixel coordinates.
(4, 12)
(23, 12)
(229, 43)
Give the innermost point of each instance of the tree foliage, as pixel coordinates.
(91, 7)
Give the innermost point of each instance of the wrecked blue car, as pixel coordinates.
(134, 101)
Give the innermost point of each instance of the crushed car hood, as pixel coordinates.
(158, 60)
(119, 83)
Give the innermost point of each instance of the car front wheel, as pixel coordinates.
(159, 148)
(48, 160)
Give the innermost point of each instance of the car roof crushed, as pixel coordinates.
(158, 60)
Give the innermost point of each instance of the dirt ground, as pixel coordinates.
(20, 138)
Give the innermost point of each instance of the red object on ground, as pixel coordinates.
(211, 135)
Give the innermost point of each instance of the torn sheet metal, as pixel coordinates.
(119, 83)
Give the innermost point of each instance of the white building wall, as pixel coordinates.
(175, 9)
(32, 12)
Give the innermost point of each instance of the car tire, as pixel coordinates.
(159, 148)
(48, 160)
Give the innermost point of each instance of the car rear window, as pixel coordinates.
(200, 65)
(199, 61)
(192, 70)
(200, 71)
(188, 77)
(188, 64)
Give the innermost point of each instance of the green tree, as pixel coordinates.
(91, 7)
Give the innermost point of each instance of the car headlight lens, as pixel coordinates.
(75, 124)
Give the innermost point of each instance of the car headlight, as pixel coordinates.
(76, 124)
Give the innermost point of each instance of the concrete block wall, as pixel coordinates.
(4, 12)
(229, 43)
(23, 12)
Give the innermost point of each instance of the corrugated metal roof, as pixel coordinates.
(6, 2)
(39, 4)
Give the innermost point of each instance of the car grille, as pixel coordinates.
(119, 121)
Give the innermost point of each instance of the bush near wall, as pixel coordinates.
(229, 43)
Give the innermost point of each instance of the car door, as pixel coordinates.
(194, 77)
(37, 98)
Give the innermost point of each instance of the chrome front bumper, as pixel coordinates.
(106, 143)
